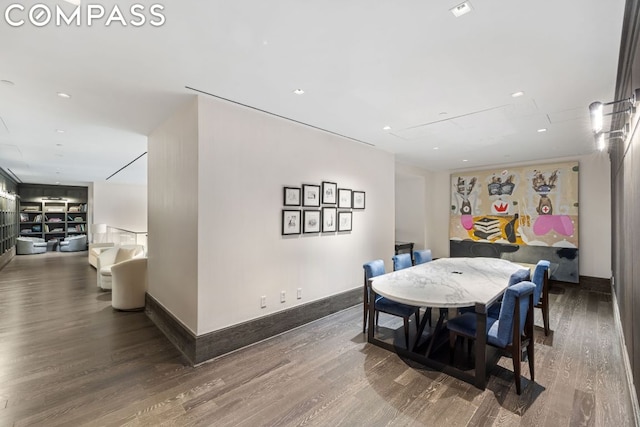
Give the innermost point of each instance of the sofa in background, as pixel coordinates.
(73, 243)
(113, 256)
(95, 249)
(30, 245)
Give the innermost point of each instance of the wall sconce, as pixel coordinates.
(596, 111)
(601, 143)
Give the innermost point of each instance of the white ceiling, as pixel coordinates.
(438, 81)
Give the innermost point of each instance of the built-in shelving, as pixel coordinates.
(52, 219)
(8, 221)
(52, 212)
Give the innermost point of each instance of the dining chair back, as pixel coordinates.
(512, 331)
(422, 256)
(401, 261)
(519, 276)
(541, 294)
(373, 269)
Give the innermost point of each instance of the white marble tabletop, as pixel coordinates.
(447, 282)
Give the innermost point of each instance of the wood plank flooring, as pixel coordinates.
(68, 359)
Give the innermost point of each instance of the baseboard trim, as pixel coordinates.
(625, 357)
(178, 334)
(199, 349)
(7, 256)
(597, 284)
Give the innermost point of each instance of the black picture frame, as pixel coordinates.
(291, 196)
(359, 199)
(344, 198)
(311, 221)
(329, 193)
(329, 219)
(310, 195)
(345, 220)
(291, 221)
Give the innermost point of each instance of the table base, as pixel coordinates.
(431, 349)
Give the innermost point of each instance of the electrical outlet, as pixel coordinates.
(283, 296)
(299, 293)
(263, 301)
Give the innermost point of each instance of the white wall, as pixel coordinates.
(120, 205)
(173, 214)
(245, 159)
(595, 215)
(594, 199)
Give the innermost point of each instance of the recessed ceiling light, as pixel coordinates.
(64, 95)
(465, 160)
(60, 130)
(386, 128)
(517, 94)
(298, 91)
(542, 130)
(461, 9)
(436, 148)
(58, 145)
(442, 113)
(57, 182)
(7, 82)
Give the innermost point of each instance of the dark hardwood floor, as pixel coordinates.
(66, 358)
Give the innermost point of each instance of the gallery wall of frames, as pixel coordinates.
(324, 208)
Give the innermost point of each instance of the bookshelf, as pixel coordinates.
(8, 221)
(52, 212)
(52, 218)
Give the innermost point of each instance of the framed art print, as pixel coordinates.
(311, 221)
(344, 198)
(311, 195)
(358, 200)
(329, 193)
(344, 221)
(292, 196)
(329, 220)
(291, 221)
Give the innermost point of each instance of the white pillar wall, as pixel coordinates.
(216, 177)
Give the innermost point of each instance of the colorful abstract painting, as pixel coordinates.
(523, 214)
(530, 205)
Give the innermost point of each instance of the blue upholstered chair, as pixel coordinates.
(512, 331)
(541, 294)
(494, 309)
(420, 257)
(401, 261)
(521, 275)
(374, 269)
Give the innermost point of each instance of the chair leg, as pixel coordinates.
(530, 357)
(366, 311)
(545, 318)
(406, 331)
(377, 318)
(516, 355)
(453, 337)
(418, 320)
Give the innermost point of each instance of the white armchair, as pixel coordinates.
(113, 256)
(129, 284)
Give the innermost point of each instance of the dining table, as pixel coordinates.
(445, 283)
